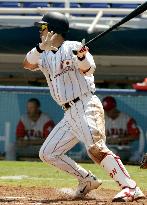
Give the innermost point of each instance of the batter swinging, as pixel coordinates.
(71, 83)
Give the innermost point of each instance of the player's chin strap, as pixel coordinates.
(111, 163)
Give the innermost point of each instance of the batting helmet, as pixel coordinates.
(109, 103)
(56, 22)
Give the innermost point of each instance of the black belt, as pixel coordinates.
(66, 106)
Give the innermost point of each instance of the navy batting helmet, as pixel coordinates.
(55, 21)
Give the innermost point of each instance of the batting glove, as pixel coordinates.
(82, 51)
(46, 44)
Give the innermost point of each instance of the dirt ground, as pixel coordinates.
(44, 196)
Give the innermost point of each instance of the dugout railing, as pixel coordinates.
(13, 104)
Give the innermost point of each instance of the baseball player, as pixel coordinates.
(71, 84)
(120, 127)
(34, 124)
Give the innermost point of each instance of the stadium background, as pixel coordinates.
(120, 58)
(14, 99)
(121, 61)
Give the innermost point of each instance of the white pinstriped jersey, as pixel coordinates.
(62, 74)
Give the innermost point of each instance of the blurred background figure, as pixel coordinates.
(121, 129)
(32, 129)
(34, 124)
(143, 164)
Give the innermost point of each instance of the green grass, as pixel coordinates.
(42, 175)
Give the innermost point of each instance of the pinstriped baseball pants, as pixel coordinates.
(83, 121)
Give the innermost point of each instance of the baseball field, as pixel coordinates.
(37, 183)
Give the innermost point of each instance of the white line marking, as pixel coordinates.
(21, 177)
(13, 197)
(14, 177)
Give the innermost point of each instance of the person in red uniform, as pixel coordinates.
(34, 124)
(121, 129)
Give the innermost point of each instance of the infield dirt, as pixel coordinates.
(43, 196)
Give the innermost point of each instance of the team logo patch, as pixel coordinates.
(65, 67)
(66, 63)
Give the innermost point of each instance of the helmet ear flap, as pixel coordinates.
(49, 30)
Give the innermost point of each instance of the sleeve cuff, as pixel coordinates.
(81, 59)
(39, 49)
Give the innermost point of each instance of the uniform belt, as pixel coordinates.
(66, 106)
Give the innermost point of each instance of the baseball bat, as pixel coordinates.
(130, 16)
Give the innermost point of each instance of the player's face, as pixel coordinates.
(43, 29)
(112, 113)
(32, 109)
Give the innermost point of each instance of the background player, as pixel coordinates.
(121, 129)
(32, 129)
(118, 123)
(71, 83)
(34, 124)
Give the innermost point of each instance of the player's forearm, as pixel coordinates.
(32, 58)
(86, 65)
(85, 61)
(28, 65)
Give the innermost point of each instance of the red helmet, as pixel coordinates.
(109, 103)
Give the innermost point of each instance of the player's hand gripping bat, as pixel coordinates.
(140, 9)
